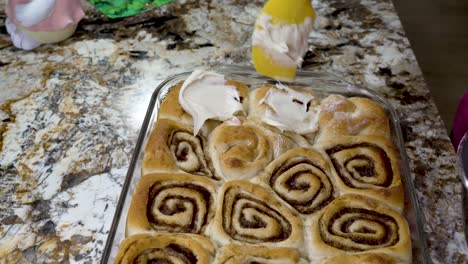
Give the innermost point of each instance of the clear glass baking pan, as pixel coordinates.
(322, 84)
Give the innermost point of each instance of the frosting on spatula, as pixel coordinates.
(285, 44)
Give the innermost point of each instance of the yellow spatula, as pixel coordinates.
(280, 37)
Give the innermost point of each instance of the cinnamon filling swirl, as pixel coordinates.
(362, 166)
(189, 154)
(303, 184)
(171, 254)
(358, 229)
(178, 207)
(239, 151)
(248, 219)
(248, 148)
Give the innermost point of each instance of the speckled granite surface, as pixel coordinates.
(70, 115)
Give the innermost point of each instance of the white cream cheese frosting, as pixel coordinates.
(286, 44)
(291, 110)
(205, 95)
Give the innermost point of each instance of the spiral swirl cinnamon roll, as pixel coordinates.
(240, 151)
(302, 178)
(179, 203)
(171, 108)
(366, 165)
(341, 116)
(234, 254)
(183, 249)
(247, 213)
(173, 148)
(354, 223)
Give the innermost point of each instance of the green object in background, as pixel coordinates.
(126, 8)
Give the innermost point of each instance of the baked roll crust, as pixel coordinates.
(302, 178)
(235, 254)
(357, 224)
(178, 203)
(241, 151)
(173, 148)
(342, 116)
(364, 258)
(165, 248)
(248, 214)
(368, 166)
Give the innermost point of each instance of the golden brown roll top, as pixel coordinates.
(241, 151)
(357, 224)
(302, 178)
(244, 92)
(235, 254)
(364, 258)
(170, 107)
(248, 214)
(341, 116)
(183, 249)
(172, 147)
(178, 203)
(368, 166)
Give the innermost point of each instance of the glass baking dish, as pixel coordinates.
(322, 84)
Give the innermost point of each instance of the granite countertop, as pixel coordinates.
(70, 114)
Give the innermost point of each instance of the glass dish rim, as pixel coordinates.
(248, 71)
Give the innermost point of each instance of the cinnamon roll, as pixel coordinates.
(364, 258)
(358, 224)
(240, 151)
(171, 108)
(291, 109)
(179, 203)
(249, 214)
(172, 147)
(341, 116)
(145, 248)
(302, 178)
(368, 166)
(234, 254)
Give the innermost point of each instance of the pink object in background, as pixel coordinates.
(63, 14)
(460, 123)
(31, 23)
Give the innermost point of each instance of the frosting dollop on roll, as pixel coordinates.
(291, 110)
(205, 95)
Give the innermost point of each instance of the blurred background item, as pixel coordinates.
(31, 23)
(462, 163)
(438, 35)
(126, 8)
(460, 122)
